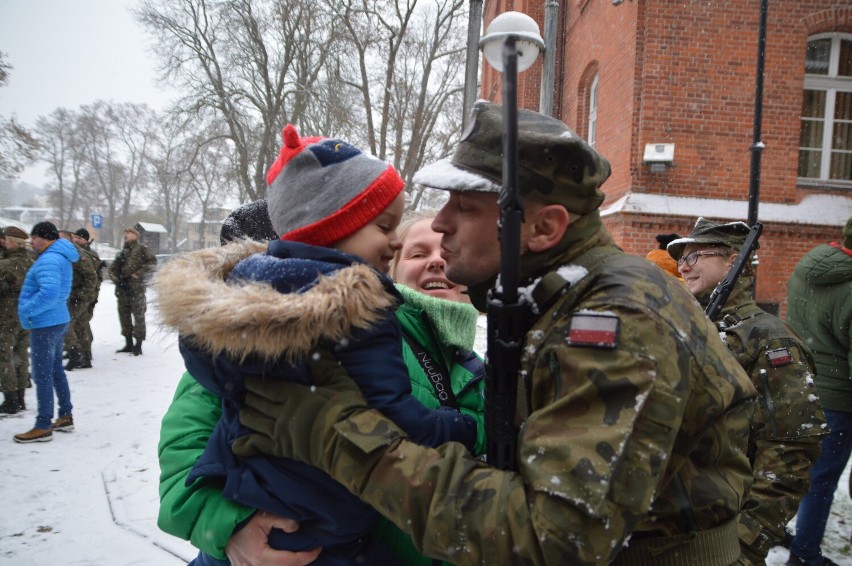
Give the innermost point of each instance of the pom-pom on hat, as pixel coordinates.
(323, 190)
(46, 230)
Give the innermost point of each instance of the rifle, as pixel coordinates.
(505, 312)
(723, 289)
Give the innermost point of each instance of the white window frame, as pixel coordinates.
(831, 84)
(593, 112)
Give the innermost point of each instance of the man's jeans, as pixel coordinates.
(815, 507)
(48, 373)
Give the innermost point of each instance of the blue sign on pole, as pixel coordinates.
(97, 221)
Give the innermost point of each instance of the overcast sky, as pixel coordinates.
(66, 53)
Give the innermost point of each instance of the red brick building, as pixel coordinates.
(683, 73)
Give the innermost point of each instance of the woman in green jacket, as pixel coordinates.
(439, 327)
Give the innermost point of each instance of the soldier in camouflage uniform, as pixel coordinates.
(84, 328)
(788, 423)
(637, 420)
(84, 289)
(14, 340)
(127, 272)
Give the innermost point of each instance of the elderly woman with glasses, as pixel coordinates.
(788, 422)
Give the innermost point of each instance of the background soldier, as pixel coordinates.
(84, 289)
(127, 272)
(788, 422)
(635, 415)
(14, 340)
(84, 332)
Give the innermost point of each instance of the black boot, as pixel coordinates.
(22, 405)
(85, 360)
(128, 346)
(10, 403)
(137, 349)
(74, 360)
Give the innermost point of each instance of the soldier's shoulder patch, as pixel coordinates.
(595, 330)
(779, 357)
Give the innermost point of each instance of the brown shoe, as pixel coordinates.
(64, 424)
(35, 435)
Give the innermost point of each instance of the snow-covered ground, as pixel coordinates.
(89, 497)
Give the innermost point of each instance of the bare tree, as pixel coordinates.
(406, 66)
(67, 162)
(18, 147)
(172, 152)
(250, 64)
(209, 178)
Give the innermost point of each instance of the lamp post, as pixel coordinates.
(511, 44)
(757, 145)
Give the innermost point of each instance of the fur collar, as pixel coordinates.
(250, 318)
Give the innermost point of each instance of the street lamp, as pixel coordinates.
(511, 44)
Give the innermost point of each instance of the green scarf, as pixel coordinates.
(454, 322)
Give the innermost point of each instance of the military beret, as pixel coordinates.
(15, 232)
(732, 235)
(555, 165)
(83, 233)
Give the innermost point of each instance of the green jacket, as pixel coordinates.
(129, 268)
(13, 267)
(819, 308)
(638, 426)
(199, 513)
(86, 283)
(788, 423)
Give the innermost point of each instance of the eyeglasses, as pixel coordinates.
(692, 258)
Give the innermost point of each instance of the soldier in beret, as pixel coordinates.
(14, 340)
(637, 421)
(788, 421)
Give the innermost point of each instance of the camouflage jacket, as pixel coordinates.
(84, 288)
(638, 425)
(129, 268)
(788, 422)
(13, 268)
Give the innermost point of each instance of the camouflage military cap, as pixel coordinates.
(732, 234)
(555, 165)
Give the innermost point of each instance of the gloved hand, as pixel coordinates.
(301, 421)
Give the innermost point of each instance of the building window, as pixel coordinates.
(825, 141)
(593, 112)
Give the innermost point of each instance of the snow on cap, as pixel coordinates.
(732, 235)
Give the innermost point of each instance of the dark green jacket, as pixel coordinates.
(129, 268)
(819, 308)
(788, 422)
(13, 267)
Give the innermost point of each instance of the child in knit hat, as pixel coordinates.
(256, 309)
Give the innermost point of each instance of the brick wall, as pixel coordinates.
(684, 73)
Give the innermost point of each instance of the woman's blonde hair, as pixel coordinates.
(404, 227)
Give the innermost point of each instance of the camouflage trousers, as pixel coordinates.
(14, 359)
(131, 314)
(79, 335)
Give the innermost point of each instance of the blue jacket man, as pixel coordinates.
(43, 310)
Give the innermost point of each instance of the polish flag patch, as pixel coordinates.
(595, 330)
(779, 357)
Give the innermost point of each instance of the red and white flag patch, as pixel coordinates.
(779, 357)
(595, 330)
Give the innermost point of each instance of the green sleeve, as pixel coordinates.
(198, 512)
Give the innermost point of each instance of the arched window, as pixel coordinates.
(825, 141)
(593, 112)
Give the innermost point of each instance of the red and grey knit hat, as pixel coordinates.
(323, 190)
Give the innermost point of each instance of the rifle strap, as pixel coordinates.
(436, 373)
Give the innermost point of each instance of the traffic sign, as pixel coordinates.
(97, 220)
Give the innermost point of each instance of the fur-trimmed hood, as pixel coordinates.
(245, 318)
